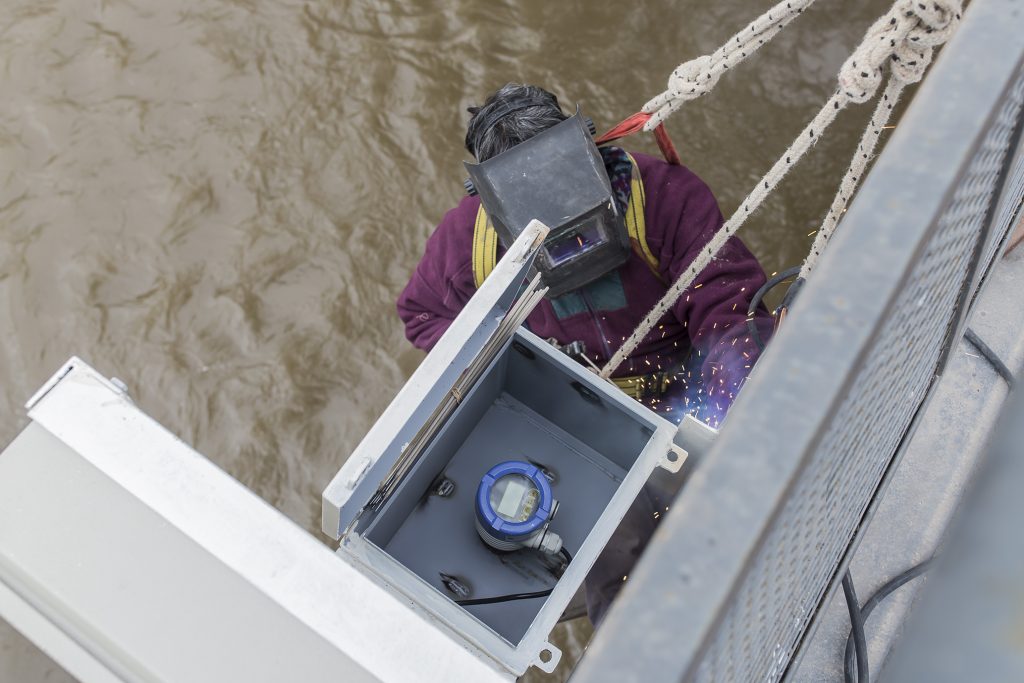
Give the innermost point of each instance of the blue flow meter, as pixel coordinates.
(514, 508)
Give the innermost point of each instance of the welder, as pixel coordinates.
(623, 228)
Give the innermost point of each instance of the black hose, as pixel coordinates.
(504, 598)
(566, 555)
(855, 654)
(860, 645)
(869, 606)
(771, 284)
(991, 356)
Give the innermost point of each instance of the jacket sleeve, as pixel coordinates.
(714, 308)
(442, 282)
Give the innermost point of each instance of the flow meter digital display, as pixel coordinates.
(514, 497)
(514, 506)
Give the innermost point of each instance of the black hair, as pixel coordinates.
(511, 115)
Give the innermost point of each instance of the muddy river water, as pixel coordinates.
(218, 201)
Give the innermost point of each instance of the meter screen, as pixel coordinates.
(514, 498)
(509, 504)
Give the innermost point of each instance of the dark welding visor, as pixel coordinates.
(557, 177)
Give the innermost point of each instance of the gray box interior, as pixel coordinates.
(526, 406)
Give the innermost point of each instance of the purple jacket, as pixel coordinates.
(681, 216)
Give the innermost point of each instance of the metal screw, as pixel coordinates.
(445, 488)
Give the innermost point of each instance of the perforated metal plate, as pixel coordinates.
(793, 569)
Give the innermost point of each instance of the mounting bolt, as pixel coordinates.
(458, 586)
(445, 488)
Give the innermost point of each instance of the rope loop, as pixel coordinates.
(694, 78)
(698, 76)
(688, 81)
(904, 39)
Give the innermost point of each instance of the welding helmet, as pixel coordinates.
(557, 177)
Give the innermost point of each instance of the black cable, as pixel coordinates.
(504, 598)
(855, 654)
(991, 356)
(515, 596)
(869, 606)
(857, 632)
(772, 283)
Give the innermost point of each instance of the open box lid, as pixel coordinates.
(448, 372)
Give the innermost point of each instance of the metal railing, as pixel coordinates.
(734, 577)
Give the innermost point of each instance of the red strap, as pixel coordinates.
(627, 127)
(668, 150)
(636, 122)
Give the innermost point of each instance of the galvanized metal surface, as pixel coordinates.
(929, 484)
(945, 280)
(732, 579)
(180, 571)
(998, 173)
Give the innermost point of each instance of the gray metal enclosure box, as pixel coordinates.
(529, 402)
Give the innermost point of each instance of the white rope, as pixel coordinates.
(907, 43)
(865, 152)
(699, 76)
(904, 38)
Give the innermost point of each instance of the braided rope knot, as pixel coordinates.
(905, 39)
(688, 81)
(699, 76)
(694, 78)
